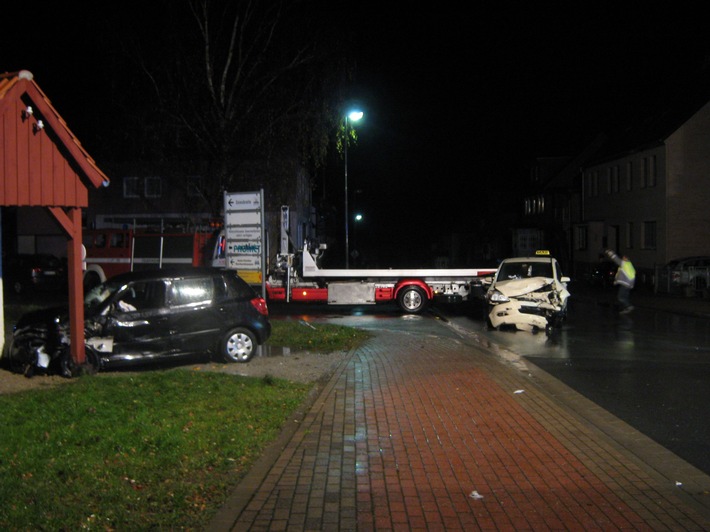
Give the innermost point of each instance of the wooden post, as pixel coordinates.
(71, 222)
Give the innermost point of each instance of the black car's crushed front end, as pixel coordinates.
(40, 343)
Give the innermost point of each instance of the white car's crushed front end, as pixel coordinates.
(532, 304)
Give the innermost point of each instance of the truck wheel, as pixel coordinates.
(412, 299)
(238, 345)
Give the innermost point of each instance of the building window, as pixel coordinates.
(649, 235)
(630, 235)
(615, 179)
(651, 182)
(630, 175)
(153, 187)
(194, 186)
(649, 172)
(131, 187)
(580, 237)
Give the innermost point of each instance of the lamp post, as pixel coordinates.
(354, 115)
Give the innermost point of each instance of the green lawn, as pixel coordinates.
(150, 450)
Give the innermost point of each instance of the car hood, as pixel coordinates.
(520, 287)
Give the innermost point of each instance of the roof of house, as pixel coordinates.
(653, 122)
(43, 163)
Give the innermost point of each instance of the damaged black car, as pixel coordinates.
(148, 316)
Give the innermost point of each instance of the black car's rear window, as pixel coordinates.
(238, 288)
(191, 291)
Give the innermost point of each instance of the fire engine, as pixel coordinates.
(113, 251)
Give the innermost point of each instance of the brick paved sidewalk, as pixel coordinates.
(422, 433)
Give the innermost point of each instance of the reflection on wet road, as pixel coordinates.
(649, 368)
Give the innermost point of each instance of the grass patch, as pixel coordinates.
(320, 337)
(154, 450)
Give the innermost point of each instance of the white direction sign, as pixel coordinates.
(244, 229)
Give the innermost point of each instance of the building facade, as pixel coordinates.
(649, 202)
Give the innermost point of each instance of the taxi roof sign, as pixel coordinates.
(542, 252)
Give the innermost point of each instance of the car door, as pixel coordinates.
(195, 323)
(138, 322)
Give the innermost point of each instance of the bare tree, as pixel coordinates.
(242, 80)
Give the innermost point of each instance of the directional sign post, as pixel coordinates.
(244, 229)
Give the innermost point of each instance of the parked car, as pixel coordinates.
(25, 272)
(528, 293)
(148, 316)
(603, 274)
(690, 272)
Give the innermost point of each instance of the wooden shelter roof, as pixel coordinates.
(42, 163)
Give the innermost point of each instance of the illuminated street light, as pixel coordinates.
(356, 243)
(354, 116)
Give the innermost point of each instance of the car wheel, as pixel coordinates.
(92, 361)
(489, 323)
(238, 345)
(17, 356)
(412, 299)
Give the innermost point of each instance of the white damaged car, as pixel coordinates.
(528, 293)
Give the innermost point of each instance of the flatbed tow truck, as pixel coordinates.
(298, 278)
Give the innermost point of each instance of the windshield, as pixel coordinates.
(524, 270)
(101, 293)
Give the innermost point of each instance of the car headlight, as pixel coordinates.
(496, 297)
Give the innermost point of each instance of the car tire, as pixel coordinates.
(489, 323)
(91, 365)
(16, 357)
(238, 345)
(412, 299)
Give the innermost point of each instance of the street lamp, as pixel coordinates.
(356, 241)
(354, 116)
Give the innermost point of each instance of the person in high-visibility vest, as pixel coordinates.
(625, 280)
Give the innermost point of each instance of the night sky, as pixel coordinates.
(456, 103)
